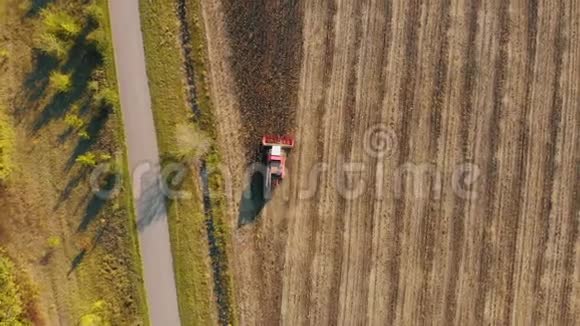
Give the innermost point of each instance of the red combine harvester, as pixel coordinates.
(275, 149)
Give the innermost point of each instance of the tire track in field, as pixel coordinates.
(377, 219)
(328, 58)
(347, 106)
(524, 142)
(537, 226)
(570, 311)
(571, 261)
(484, 279)
(429, 220)
(358, 231)
(343, 207)
(459, 209)
(411, 31)
(325, 260)
(549, 170)
(336, 277)
(419, 226)
(440, 86)
(558, 266)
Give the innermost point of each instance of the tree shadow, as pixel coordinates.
(79, 258)
(68, 132)
(150, 202)
(36, 7)
(62, 102)
(97, 203)
(68, 189)
(82, 61)
(36, 81)
(94, 207)
(93, 130)
(77, 261)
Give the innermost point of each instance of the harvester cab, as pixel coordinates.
(275, 149)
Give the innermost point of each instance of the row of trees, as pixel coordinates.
(12, 296)
(59, 33)
(6, 145)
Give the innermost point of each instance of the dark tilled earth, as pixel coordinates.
(266, 42)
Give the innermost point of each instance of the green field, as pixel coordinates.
(60, 106)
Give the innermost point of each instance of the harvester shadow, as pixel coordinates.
(253, 199)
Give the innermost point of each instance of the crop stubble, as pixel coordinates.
(492, 83)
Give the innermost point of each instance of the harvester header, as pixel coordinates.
(278, 140)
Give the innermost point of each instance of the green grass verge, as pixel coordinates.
(126, 198)
(6, 145)
(207, 123)
(91, 255)
(16, 296)
(166, 79)
(186, 219)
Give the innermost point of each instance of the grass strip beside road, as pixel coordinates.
(170, 110)
(126, 199)
(79, 249)
(207, 123)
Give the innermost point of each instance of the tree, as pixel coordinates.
(59, 23)
(107, 98)
(54, 242)
(98, 39)
(99, 315)
(60, 82)
(95, 14)
(4, 55)
(6, 145)
(74, 121)
(57, 32)
(87, 160)
(51, 45)
(11, 303)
